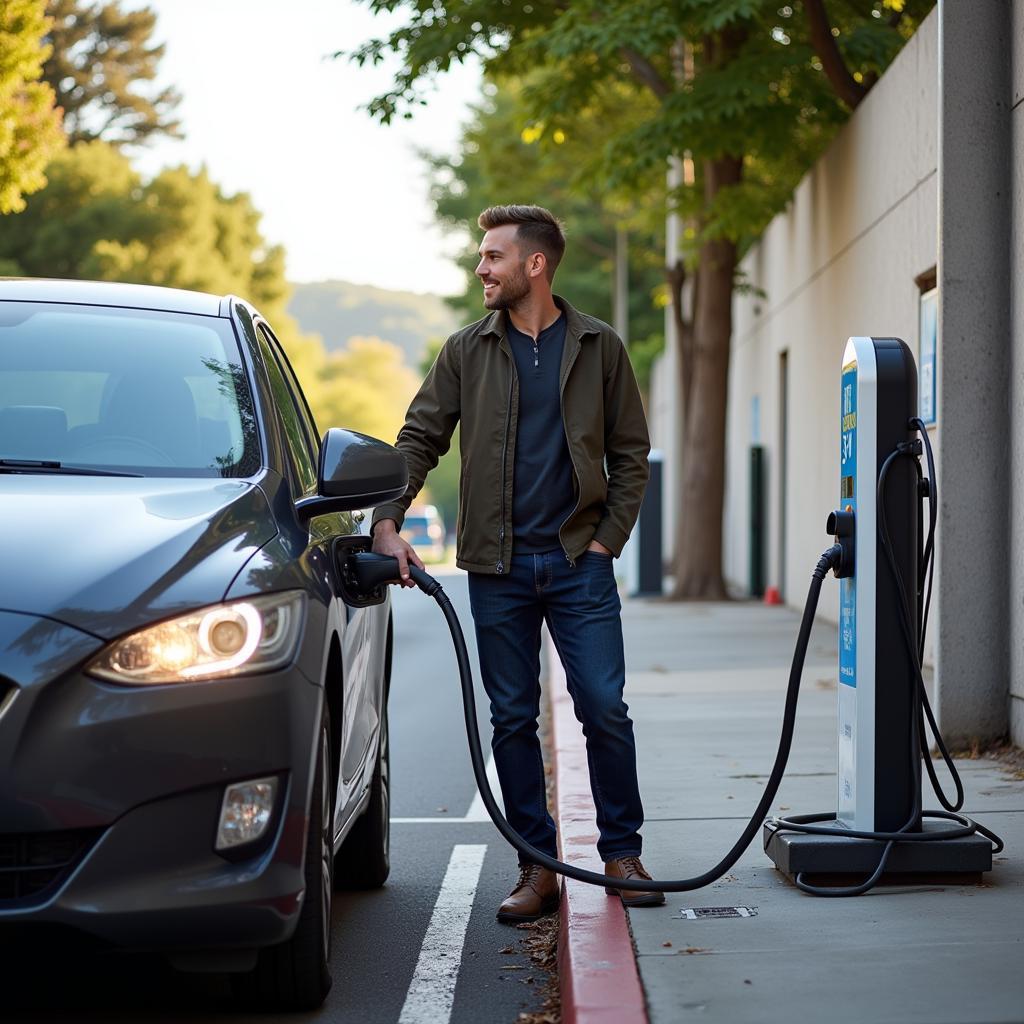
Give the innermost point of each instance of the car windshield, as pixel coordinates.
(155, 393)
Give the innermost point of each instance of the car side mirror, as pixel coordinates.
(355, 471)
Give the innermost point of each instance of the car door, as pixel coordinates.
(359, 697)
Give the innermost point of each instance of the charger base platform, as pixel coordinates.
(836, 859)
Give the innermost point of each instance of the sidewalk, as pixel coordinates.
(705, 686)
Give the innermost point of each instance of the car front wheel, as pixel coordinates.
(295, 975)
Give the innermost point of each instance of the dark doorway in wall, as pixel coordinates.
(783, 466)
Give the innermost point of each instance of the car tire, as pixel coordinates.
(295, 975)
(364, 860)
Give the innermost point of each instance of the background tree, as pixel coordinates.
(30, 126)
(441, 487)
(366, 385)
(98, 219)
(102, 66)
(741, 98)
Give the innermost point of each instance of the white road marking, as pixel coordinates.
(431, 992)
(476, 812)
(427, 821)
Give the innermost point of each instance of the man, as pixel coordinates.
(547, 399)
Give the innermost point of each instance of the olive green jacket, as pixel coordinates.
(474, 380)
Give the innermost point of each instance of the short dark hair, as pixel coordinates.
(537, 227)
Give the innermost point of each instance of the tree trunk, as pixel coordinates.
(620, 285)
(699, 531)
(683, 334)
(676, 277)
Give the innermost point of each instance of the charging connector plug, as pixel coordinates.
(842, 525)
(370, 573)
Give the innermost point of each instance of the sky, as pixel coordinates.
(269, 113)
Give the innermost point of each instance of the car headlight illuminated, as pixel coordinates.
(258, 634)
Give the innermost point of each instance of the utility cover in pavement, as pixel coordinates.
(697, 913)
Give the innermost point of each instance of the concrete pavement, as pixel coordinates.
(705, 686)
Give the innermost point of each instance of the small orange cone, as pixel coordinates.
(772, 595)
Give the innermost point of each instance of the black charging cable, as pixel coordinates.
(371, 570)
(927, 572)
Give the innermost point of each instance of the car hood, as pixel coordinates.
(110, 554)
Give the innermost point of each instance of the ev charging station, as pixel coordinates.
(876, 681)
(879, 734)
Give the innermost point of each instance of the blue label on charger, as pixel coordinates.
(848, 501)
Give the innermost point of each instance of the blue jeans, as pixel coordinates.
(581, 607)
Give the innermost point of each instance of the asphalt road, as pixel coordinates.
(424, 944)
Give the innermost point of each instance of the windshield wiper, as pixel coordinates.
(45, 466)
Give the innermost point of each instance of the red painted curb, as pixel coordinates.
(596, 965)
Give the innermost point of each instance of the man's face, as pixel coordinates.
(502, 269)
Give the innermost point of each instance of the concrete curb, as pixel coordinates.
(597, 968)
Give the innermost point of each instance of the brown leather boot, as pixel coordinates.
(630, 867)
(536, 894)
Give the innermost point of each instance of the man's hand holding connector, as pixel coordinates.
(388, 541)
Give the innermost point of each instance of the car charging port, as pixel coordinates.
(842, 525)
(364, 576)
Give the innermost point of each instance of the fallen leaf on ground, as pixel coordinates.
(540, 943)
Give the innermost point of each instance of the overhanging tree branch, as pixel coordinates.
(645, 72)
(847, 88)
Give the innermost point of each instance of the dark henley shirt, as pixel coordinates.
(542, 488)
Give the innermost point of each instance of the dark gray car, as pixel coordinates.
(193, 709)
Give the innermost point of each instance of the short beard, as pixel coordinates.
(512, 291)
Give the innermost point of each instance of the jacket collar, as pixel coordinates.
(575, 325)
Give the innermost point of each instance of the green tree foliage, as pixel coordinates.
(98, 219)
(367, 386)
(745, 94)
(442, 483)
(102, 66)
(30, 126)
